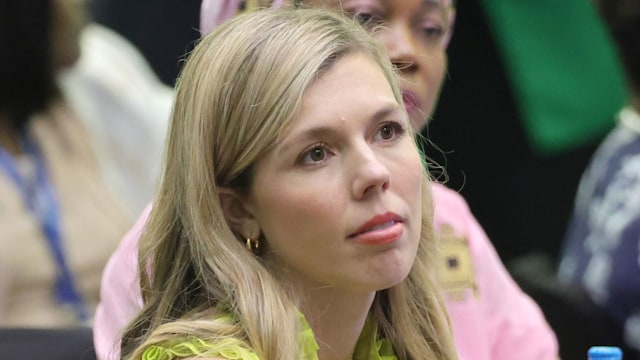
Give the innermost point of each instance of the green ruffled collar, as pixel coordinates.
(368, 347)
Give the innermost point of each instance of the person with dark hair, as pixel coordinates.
(59, 220)
(27, 75)
(602, 246)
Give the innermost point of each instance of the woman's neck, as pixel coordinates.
(337, 319)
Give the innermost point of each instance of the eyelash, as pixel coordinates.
(398, 129)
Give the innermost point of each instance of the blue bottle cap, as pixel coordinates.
(605, 353)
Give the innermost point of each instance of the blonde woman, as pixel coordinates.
(294, 218)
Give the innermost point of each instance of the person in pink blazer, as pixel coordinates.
(492, 318)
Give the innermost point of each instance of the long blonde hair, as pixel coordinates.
(240, 90)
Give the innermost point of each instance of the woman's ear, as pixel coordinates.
(238, 214)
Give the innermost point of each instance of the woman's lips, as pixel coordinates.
(410, 100)
(381, 229)
(391, 233)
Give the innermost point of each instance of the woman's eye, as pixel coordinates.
(434, 32)
(389, 131)
(314, 155)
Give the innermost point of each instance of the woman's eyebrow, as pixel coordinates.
(329, 131)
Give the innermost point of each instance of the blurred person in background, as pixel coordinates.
(602, 246)
(59, 220)
(125, 107)
(83, 120)
(522, 112)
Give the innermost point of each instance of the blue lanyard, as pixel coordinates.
(40, 199)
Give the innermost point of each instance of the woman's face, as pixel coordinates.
(338, 199)
(415, 33)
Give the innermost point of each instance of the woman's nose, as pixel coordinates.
(371, 175)
(401, 47)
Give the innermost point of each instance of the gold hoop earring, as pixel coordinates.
(253, 245)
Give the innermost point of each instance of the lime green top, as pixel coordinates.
(368, 347)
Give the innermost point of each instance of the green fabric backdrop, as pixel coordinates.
(563, 69)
